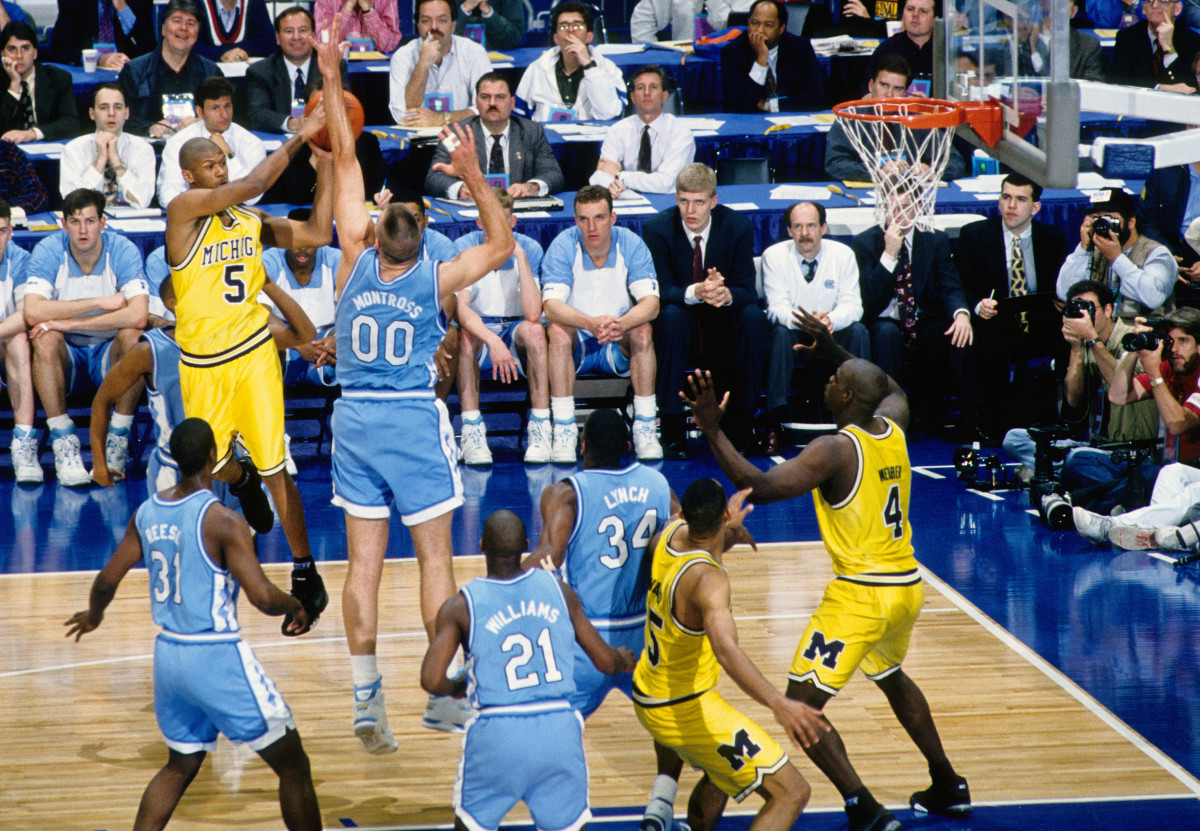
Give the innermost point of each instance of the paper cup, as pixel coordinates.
(91, 58)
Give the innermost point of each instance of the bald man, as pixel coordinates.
(860, 480)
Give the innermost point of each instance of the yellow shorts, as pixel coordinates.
(241, 399)
(710, 735)
(857, 625)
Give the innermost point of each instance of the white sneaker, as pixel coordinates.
(538, 441)
(25, 460)
(289, 464)
(1177, 538)
(645, 440)
(1132, 538)
(370, 720)
(1092, 527)
(116, 455)
(447, 713)
(474, 444)
(659, 816)
(68, 465)
(565, 443)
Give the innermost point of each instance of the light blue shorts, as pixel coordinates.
(595, 358)
(88, 366)
(592, 685)
(508, 334)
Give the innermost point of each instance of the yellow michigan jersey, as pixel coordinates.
(217, 286)
(867, 533)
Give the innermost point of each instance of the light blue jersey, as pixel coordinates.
(569, 275)
(317, 299)
(617, 513)
(12, 277)
(189, 594)
(387, 332)
(163, 395)
(436, 246)
(521, 644)
(496, 297)
(157, 271)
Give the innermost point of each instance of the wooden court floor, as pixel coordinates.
(78, 741)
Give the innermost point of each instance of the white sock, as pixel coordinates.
(645, 406)
(665, 788)
(539, 413)
(473, 416)
(60, 424)
(563, 409)
(120, 423)
(364, 669)
(22, 430)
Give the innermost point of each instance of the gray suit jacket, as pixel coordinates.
(270, 84)
(529, 157)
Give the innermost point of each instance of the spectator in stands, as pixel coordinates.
(234, 30)
(890, 80)
(109, 160)
(1004, 258)
(819, 276)
(214, 109)
(126, 25)
(914, 43)
(1170, 201)
(19, 182)
(86, 304)
(14, 349)
(649, 17)
(1033, 53)
(503, 21)
(39, 104)
(708, 315)
(1111, 14)
(434, 244)
(768, 69)
(1141, 271)
(435, 66)
(645, 151)
(307, 276)
(506, 145)
(158, 86)
(1156, 52)
(11, 12)
(362, 19)
(569, 76)
(913, 302)
(600, 293)
(502, 331)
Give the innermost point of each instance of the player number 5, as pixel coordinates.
(233, 279)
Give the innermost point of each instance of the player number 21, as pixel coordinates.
(641, 536)
(517, 641)
(166, 576)
(893, 515)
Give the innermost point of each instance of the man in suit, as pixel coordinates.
(127, 24)
(38, 104)
(1156, 52)
(913, 302)
(768, 69)
(1033, 51)
(1170, 201)
(507, 145)
(278, 88)
(1001, 258)
(709, 314)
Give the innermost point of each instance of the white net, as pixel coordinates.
(904, 159)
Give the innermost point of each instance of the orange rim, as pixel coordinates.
(914, 113)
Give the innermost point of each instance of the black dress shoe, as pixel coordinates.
(675, 451)
(774, 441)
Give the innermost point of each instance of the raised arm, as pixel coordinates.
(559, 510)
(104, 587)
(314, 232)
(137, 362)
(449, 630)
(299, 329)
(1121, 389)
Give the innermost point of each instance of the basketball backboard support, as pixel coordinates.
(1018, 53)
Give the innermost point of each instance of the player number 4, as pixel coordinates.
(893, 515)
(641, 536)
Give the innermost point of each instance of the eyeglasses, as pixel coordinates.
(1159, 2)
(571, 27)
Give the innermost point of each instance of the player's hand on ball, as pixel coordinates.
(81, 623)
(313, 123)
(703, 401)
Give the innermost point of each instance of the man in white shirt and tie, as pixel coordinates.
(214, 108)
(645, 151)
(819, 276)
(109, 160)
(436, 62)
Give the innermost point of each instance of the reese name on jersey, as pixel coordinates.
(525, 608)
(890, 472)
(161, 531)
(227, 250)
(620, 496)
(383, 298)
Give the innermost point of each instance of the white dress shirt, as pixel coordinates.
(834, 288)
(651, 15)
(672, 147)
(689, 294)
(248, 151)
(455, 76)
(136, 184)
(601, 91)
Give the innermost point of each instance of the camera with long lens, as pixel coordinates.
(1078, 307)
(1160, 330)
(1045, 494)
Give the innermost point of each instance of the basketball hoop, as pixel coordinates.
(905, 145)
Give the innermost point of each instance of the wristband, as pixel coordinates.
(1157, 382)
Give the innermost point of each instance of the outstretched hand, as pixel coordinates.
(330, 48)
(705, 409)
(738, 509)
(812, 326)
(460, 143)
(81, 623)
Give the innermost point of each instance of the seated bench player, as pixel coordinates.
(600, 292)
(434, 244)
(14, 349)
(502, 331)
(86, 305)
(307, 276)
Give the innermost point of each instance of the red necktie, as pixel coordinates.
(697, 262)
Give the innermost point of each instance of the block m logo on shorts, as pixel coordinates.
(826, 653)
(738, 752)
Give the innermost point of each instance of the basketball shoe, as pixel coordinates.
(370, 720)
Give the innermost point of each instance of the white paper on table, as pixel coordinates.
(985, 197)
(694, 123)
(570, 128)
(234, 69)
(134, 226)
(584, 137)
(704, 133)
(740, 206)
(795, 120)
(1093, 180)
(271, 145)
(472, 214)
(634, 209)
(822, 128)
(503, 65)
(985, 183)
(620, 48)
(796, 193)
(632, 197)
(43, 148)
(374, 67)
(130, 212)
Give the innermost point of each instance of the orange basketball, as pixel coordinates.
(354, 109)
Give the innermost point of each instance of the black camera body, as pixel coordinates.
(1078, 307)
(1160, 330)
(1106, 226)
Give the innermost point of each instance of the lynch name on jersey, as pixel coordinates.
(525, 608)
(619, 496)
(226, 250)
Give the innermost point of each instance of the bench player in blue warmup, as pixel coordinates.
(518, 630)
(206, 679)
(392, 438)
(596, 525)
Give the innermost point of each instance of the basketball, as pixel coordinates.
(354, 109)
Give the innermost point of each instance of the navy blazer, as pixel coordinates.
(53, 104)
(730, 250)
(799, 78)
(936, 283)
(270, 85)
(78, 25)
(529, 157)
(1133, 57)
(1161, 208)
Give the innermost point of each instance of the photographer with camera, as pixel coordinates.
(1172, 384)
(1140, 271)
